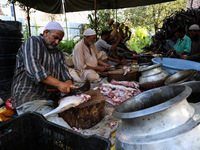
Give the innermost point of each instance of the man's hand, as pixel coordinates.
(169, 52)
(134, 53)
(157, 51)
(100, 69)
(184, 57)
(107, 66)
(64, 87)
(177, 55)
(123, 62)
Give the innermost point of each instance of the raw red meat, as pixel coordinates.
(115, 94)
(132, 84)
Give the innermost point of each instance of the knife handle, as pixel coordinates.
(52, 90)
(57, 90)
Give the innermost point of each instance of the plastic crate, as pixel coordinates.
(31, 131)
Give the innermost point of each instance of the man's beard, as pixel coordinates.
(47, 43)
(90, 43)
(194, 37)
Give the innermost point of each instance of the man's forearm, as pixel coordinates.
(63, 87)
(114, 46)
(93, 68)
(100, 62)
(113, 59)
(49, 80)
(183, 52)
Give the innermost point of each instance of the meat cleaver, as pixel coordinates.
(82, 89)
(73, 91)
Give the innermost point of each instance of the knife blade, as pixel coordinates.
(82, 89)
(73, 91)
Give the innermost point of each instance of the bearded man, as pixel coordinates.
(40, 66)
(86, 59)
(194, 54)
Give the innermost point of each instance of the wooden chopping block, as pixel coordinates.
(88, 114)
(118, 75)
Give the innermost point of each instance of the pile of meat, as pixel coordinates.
(119, 91)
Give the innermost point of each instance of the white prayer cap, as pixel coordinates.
(194, 27)
(89, 32)
(53, 26)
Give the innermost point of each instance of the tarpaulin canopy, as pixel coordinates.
(56, 6)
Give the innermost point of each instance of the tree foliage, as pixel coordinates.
(103, 16)
(139, 40)
(67, 45)
(143, 18)
(152, 16)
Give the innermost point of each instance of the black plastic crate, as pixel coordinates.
(31, 131)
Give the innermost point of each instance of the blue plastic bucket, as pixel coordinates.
(174, 65)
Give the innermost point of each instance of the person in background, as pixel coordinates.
(122, 49)
(40, 66)
(114, 32)
(102, 45)
(194, 54)
(182, 46)
(87, 62)
(127, 35)
(164, 45)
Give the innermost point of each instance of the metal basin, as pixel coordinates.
(181, 76)
(174, 65)
(159, 119)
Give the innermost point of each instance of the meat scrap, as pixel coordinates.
(113, 124)
(115, 94)
(75, 129)
(126, 69)
(132, 84)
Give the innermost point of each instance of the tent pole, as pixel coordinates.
(95, 14)
(63, 2)
(14, 11)
(191, 3)
(116, 8)
(116, 15)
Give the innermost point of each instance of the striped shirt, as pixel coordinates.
(34, 62)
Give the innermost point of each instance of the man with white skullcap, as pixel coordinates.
(40, 66)
(194, 54)
(87, 62)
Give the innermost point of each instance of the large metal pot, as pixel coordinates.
(159, 119)
(152, 76)
(195, 95)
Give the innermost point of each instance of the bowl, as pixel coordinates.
(181, 76)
